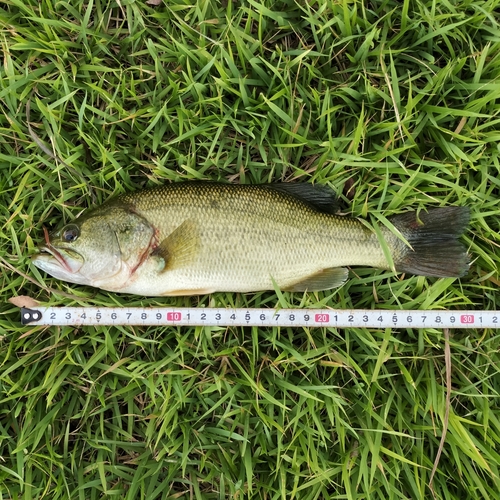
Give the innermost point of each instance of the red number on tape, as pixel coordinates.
(321, 318)
(174, 316)
(467, 319)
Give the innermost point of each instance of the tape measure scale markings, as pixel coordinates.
(356, 318)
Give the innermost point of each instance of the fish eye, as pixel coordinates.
(70, 234)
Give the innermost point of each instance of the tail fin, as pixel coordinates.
(433, 236)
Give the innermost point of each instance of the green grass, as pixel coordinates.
(393, 104)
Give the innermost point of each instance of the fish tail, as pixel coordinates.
(433, 237)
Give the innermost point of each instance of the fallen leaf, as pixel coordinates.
(24, 301)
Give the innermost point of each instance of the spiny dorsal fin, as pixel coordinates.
(322, 280)
(322, 198)
(180, 247)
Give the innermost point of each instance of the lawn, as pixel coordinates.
(393, 104)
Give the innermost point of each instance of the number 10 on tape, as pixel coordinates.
(359, 318)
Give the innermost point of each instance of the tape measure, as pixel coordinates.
(203, 316)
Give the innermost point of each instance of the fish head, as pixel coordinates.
(102, 248)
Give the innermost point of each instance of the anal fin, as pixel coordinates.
(323, 280)
(180, 247)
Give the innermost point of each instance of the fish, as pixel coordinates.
(193, 238)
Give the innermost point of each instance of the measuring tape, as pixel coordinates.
(203, 316)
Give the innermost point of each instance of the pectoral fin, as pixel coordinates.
(180, 247)
(322, 280)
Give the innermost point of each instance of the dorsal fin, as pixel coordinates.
(322, 198)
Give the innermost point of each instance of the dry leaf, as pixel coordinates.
(24, 301)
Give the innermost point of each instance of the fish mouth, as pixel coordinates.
(67, 260)
(57, 255)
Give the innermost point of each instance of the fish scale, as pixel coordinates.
(254, 235)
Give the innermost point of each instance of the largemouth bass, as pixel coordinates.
(196, 238)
